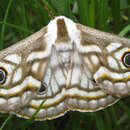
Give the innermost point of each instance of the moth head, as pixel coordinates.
(113, 75)
(62, 30)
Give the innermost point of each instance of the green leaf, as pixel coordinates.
(6, 121)
(125, 30)
(3, 26)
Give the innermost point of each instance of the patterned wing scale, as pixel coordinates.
(67, 65)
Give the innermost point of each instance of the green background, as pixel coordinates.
(20, 18)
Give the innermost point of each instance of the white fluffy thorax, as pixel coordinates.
(73, 32)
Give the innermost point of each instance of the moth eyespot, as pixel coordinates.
(3, 75)
(42, 88)
(94, 81)
(126, 59)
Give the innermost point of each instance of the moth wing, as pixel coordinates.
(54, 95)
(105, 56)
(24, 64)
(83, 94)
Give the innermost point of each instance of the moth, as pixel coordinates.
(67, 65)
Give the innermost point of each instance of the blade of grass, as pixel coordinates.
(68, 11)
(3, 26)
(116, 15)
(76, 121)
(126, 109)
(122, 120)
(34, 115)
(46, 125)
(83, 11)
(102, 14)
(125, 30)
(50, 7)
(91, 13)
(87, 12)
(108, 120)
(114, 117)
(17, 27)
(99, 121)
(23, 15)
(8, 118)
(60, 6)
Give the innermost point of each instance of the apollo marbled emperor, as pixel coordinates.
(69, 66)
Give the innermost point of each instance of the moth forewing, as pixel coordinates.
(19, 63)
(91, 35)
(105, 52)
(26, 45)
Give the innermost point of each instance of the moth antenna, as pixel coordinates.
(48, 10)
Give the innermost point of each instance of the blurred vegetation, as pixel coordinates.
(20, 18)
